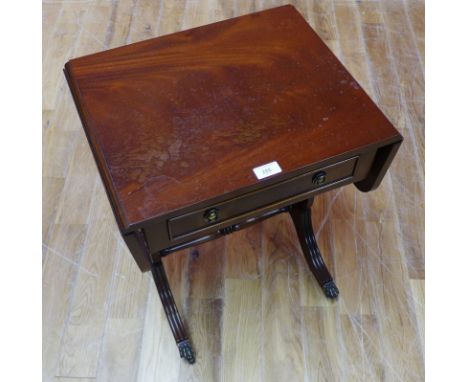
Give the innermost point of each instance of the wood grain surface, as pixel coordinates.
(184, 118)
(252, 307)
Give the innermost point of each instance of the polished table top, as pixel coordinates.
(185, 118)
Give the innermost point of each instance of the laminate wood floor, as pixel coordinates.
(253, 309)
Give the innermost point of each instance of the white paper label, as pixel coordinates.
(267, 170)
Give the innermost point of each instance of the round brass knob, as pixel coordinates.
(319, 178)
(211, 215)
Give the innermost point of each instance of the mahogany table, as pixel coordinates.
(203, 132)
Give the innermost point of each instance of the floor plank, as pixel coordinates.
(242, 326)
(282, 329)
(60, 269)
(121, 345)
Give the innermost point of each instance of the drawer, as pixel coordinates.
(320, 178)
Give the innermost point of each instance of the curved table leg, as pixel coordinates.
(173, 316)
(302, 218)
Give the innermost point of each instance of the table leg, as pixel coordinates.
(173, 316)
(302, 218)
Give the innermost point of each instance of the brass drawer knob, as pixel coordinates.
(211, 215)
(319, 178)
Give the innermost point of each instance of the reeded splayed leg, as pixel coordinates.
(173, 316)
(302, 218)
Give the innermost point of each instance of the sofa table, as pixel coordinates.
(203, 132)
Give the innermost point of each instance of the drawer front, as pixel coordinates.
(320, 178)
